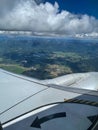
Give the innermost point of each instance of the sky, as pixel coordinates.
(50, 17)
(89, 7)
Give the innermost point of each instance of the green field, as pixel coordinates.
(13, 68)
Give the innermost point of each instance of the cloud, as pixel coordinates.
(44, 18)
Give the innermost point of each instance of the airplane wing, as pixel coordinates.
(66, 103)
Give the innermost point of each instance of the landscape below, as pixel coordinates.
(46, 58)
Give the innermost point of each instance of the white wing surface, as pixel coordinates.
(61, 103)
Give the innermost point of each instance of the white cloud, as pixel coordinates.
(46, 19)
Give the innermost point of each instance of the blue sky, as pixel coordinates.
(89, 7)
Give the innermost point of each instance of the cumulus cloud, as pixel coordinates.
(44, 18)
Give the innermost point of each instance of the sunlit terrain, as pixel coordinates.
(48, 57)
